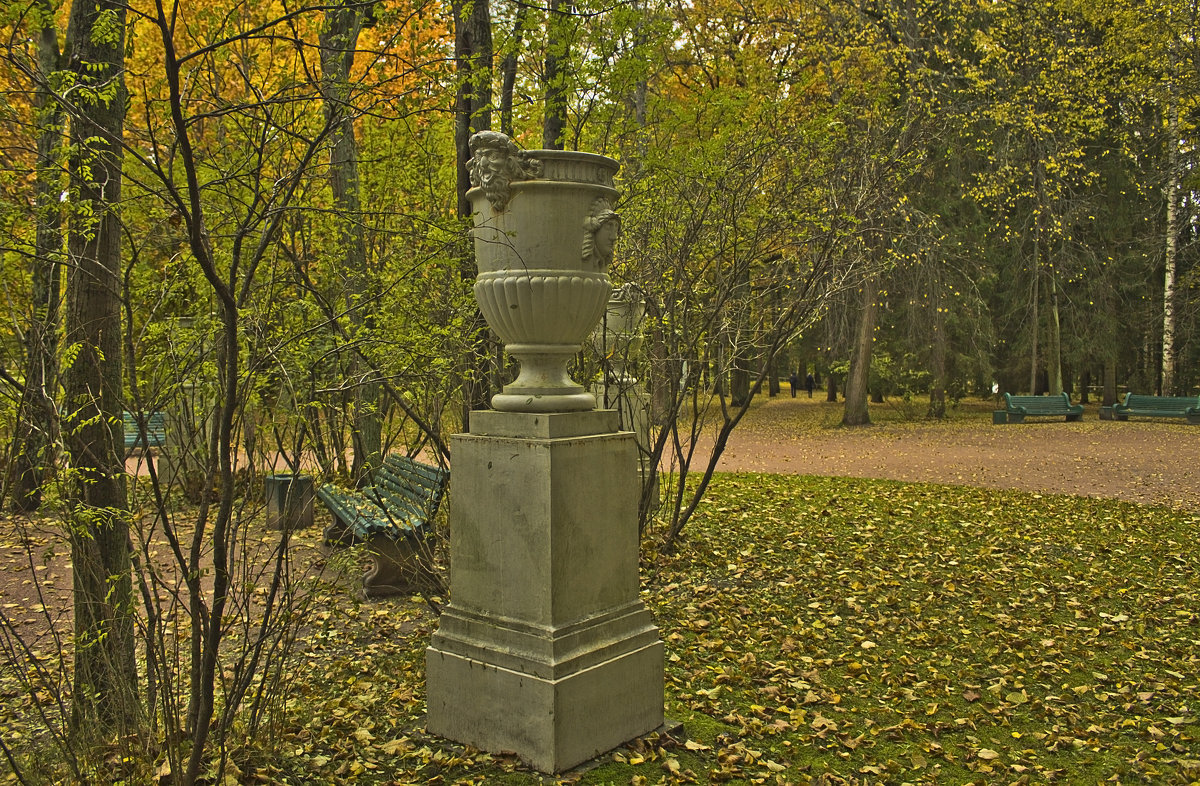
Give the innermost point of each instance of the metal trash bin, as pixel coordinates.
(289, 501)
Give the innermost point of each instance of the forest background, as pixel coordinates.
(251, 216)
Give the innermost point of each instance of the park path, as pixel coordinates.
(1150, 462)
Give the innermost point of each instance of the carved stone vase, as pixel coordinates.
(544, 230)
(619, 339)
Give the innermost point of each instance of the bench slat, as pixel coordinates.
(403, 495)
(420, 474)
(363, 517)
(155, 435)
(1158, 406)
(401, 499)
(1017, 408)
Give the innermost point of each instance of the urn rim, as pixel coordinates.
(475, 192)
(582, 155)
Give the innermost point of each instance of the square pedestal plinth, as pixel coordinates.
(545, 649)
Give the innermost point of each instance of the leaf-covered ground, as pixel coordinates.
(818, 629)
(842, 631)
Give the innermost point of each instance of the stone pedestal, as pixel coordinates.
(545, 649)
(630, 399)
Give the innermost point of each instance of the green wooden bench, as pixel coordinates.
(154, 434)
(1154, 407)
(1017, 408)
(392, 515)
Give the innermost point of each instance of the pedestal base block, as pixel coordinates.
(545, 650)
(551, 724)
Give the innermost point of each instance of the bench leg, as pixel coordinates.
(1074, 418)
(398, 567)
(337, 533)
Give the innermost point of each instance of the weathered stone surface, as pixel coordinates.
(545, 649)
(487, 423)
(544, 233)
(552, 725)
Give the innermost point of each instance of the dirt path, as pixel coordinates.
(1152, 462)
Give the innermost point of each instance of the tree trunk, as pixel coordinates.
(856, 413)
(338, 41)
(937, 359)
(36, 428)
(742, 346)
(1033, 323)
(1172, 229)
(640, 91)
(1110, 379)
(739, 379)
(473, 100)
(1150, 364)
(664, 374)
(558, 51)
(105, 688)
(508, 70)
(1055, 360)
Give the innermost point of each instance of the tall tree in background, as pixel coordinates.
(511, 50)
(1037, 76)
(1177, 29)
(1152, 45)
(36, 426)
(473, 58)
(1171, 249)
(105, 689)
(856, 412)
(339, 41)
(558, 52)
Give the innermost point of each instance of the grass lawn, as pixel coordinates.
(841, 631)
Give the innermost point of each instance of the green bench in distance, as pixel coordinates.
(154, 435)
(392, 515)
(1017, 408)
(1154, 407)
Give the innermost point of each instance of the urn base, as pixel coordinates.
(543, 384)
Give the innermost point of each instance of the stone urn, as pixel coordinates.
(544, 230)
(619, 338)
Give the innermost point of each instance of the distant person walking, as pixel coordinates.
(809, 384)
(794, 381)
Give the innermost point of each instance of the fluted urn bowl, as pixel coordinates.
(543, 234)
